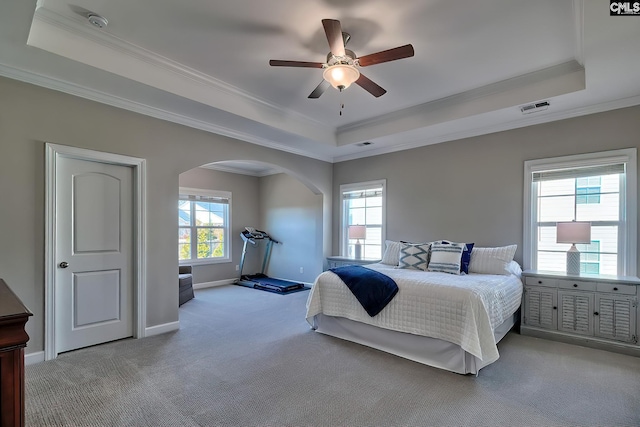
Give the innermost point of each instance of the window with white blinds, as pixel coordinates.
(204, 225)
(599, 188)
(363, 204)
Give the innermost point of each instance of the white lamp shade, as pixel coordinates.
(573, 232)
(357, 232)
(341, 75)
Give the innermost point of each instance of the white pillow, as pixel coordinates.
(414, 256)
(492, 260)
(445, 257)
(391, 253)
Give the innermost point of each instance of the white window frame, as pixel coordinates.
(627, 232)
(227, 242)
(344, 240)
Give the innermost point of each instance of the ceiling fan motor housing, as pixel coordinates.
(348, 58)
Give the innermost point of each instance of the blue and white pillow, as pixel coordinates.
(446, 257)
(465, 259)
(414, 256)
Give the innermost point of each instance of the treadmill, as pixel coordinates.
(260, 280)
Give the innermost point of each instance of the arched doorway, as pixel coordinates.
(267, 197)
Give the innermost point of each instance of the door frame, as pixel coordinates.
(52, 154)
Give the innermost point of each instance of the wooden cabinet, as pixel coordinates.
(341, 261)
(595, 310)
(13, 339)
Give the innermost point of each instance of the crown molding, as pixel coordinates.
(147, 110)
(136, 107)
(484, 130)
(117, 48)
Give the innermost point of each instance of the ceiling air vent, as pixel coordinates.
(534, 108)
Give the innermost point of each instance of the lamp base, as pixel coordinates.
(573, 261)
(358, 251)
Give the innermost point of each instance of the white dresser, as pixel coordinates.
(592, 310)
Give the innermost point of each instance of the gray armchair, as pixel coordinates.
(185, 284)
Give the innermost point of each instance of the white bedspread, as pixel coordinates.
(460, 309)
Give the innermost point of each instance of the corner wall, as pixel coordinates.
(292, 214)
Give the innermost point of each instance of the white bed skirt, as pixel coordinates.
(429, 351)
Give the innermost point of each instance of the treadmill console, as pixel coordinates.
(250, 233)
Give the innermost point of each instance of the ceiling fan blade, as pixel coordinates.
(370, 86)
(333, 30)
(279, 63)
(319, 90)
(405, 51)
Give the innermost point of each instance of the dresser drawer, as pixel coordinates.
(577, 284)
(540, 281)
(616, 289)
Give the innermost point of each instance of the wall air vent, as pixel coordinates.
(534, 108)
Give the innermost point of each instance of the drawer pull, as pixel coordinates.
(539, 282)
(615, 289)
(575, 285)
(596, 313)
(555, 308)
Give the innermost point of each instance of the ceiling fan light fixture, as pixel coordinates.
(340, 76)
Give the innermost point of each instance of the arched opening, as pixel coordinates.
(268, 197)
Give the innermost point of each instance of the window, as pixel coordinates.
(363, 204)
(599, 188)
(204, 224)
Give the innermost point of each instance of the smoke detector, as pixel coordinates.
(534, 108)
(97, 20)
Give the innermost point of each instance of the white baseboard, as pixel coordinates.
(32, 358)
(204, 285)
(161, 329)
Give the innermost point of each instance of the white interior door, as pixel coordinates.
(93, 253)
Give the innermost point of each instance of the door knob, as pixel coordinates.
(64, 264)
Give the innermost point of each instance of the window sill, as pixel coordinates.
(204, 261)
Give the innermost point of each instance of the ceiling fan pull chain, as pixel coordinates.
(341, 107)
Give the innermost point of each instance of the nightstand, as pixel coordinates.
(591, 310)
(341, 261)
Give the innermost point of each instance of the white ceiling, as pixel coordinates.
(204, 63)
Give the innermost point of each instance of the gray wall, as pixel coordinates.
(244, 211)
(292, 214)
(31, 116)
(471, 190)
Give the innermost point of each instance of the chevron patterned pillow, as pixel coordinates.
(414, 256)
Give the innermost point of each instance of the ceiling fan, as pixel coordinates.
(342, 66)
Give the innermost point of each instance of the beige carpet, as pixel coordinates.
(248, 358)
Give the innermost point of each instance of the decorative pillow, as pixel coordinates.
(446, 257)
(466, 256)
(391, 253)
(414, 256)
(492, 260)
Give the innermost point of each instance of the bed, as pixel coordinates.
(448, 321)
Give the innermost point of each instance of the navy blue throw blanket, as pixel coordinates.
(373, 289)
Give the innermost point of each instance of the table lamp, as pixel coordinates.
(358, 232)
(573, 232)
